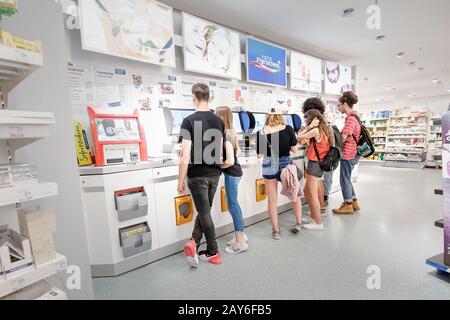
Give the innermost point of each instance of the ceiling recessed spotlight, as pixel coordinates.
(420, 69)
(366, 79)
(348, 13)
(400, 55)
(412, 64)
(388, 88)
(380, 38)
(448, 90)
(436, 81)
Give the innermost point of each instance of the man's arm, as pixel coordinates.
(183, 166)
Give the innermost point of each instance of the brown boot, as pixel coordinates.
(344, 209)
(356, 205)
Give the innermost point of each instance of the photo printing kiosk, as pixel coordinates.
(133, 212)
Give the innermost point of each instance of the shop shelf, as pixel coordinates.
(438, 263)
(21, 128)
(24, 279)
(27, 193)
(439, 223)
(16, 64)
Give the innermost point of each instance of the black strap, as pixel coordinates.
(360, 124)
(315, 149)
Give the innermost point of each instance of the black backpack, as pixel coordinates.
(331, 160)
(364, 144)
(338, 140)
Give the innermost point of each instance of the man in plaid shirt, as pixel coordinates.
(350, 134)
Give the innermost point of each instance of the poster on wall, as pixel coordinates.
(266, 63)
(82, 86)
(139, 30)
(154, 91)
(210, 48)
(338, 78)
(306, 72)
(112, 87)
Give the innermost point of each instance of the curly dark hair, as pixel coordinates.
(313, 104)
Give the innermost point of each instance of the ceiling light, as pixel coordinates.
(436, 81)
(401, 55)
(388, 88)
(420, 69)
(380, 38)
(348, 13)
(412, 64)
(448, 90)
(366, 79)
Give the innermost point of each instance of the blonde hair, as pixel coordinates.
(227, 116)
(274, 119)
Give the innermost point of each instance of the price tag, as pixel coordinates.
(15, 132)
(25, 195)
(61, 266)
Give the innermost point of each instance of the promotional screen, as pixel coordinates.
(117, 130)
(338, 78)
(306, 72)
(266, 63)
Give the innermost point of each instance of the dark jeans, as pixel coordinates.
(203, 190)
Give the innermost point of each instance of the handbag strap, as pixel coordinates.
(315, 149)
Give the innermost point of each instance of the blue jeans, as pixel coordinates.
(327, 182)
(348, 192)
(231, 188)
(272, 167)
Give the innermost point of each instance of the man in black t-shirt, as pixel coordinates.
(202, 135)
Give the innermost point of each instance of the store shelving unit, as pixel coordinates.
(17, 130)
(407, 143)
(377, 124)
(434, 143)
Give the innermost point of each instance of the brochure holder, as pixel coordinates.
(184, 210)
(131, 204)
(261, 190)
(223, 200)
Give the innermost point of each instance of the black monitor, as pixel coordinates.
(177, 117)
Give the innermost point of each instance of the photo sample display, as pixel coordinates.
(140, 30)
(210, 48)
(306, 72)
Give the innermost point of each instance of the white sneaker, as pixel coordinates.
(307, 220)
(313, 226)
(233, 240)
(237, 248)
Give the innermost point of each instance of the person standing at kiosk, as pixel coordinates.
(202, 135)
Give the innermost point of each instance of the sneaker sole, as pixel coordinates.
(235, 253)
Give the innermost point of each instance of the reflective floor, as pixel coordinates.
(394, 232)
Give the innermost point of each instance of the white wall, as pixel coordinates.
(47, 90)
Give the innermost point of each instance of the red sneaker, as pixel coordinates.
(190, 250)
(213, 259)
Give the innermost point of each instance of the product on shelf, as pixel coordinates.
(21, 173)
(8, 7)
(15, 253)
(9, 40)
(5, 178)
(39, 226)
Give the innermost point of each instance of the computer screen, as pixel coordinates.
(260, 121)
(288, 120)
(178, 116)
(117, 129)
(237, 123)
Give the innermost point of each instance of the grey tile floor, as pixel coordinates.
(394, 231)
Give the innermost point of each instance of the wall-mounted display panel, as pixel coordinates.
(139, 30)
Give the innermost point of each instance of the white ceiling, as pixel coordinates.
(420, 28)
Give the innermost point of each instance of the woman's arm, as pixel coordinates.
(229, 162)
(314, 133)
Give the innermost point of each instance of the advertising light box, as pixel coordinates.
(137, 30)
(306, 72)
(266, 63)
(210, 48)
(338, 78)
